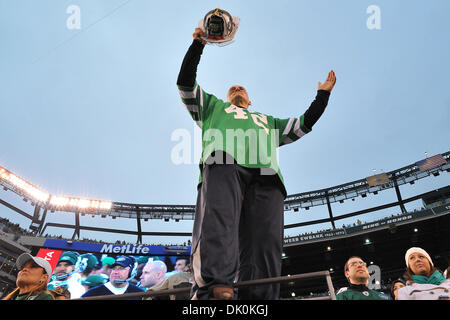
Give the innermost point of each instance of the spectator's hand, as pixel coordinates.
(198, 35)
(329, 83)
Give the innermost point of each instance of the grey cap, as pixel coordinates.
(25, 257)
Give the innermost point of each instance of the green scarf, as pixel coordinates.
(436, 278)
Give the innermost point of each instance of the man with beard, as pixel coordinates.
(358, 278)
(66, 275)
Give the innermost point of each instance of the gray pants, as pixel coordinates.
(238, 231)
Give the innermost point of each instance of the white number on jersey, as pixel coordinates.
(240, 114)
(258, 119)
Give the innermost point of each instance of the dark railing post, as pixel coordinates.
(76, 232)
(139, 228)
(150, 293)
(399, 196)
(329, 210)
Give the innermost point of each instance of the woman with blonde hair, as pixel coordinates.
(32, 279)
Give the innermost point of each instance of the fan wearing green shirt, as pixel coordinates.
(238, 223)
(32, 279)
(358, 277)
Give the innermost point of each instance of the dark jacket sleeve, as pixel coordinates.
(188, 71)
(317, 108)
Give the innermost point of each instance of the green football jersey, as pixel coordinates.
(40, 296)
(250, 137)
(368, 294)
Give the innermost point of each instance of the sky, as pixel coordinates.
(89, 106)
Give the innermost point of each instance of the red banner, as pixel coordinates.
(51, 255)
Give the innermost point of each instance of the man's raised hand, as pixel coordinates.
(329, 83)
(198, 35)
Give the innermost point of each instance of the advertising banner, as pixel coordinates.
(51, 255)
(124, 249)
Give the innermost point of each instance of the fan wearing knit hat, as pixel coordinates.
(424, 281)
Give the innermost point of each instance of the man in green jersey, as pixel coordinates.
(358, 277)
(238, 224)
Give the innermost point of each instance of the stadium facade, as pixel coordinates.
(380, 243)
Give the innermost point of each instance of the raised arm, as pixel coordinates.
(292, 129)
(190, 92)
(318, 105)
(188, 71)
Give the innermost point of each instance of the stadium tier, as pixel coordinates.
(43, 202)
(382, 243)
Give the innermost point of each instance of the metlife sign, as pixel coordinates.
(125, 249)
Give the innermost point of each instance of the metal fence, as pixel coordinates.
(290, 278)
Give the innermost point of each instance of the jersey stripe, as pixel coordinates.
(297, 129)
(191, 103)
(288, 126)
(188, 94)
(201, 97)
(294, 132)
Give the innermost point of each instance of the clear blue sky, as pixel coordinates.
(90, 112)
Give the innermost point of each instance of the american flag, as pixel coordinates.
(431, 162)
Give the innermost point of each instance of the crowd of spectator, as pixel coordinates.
(358, 222)
(12, 228)
(84, 276)
(9, 227)
(421, 279)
